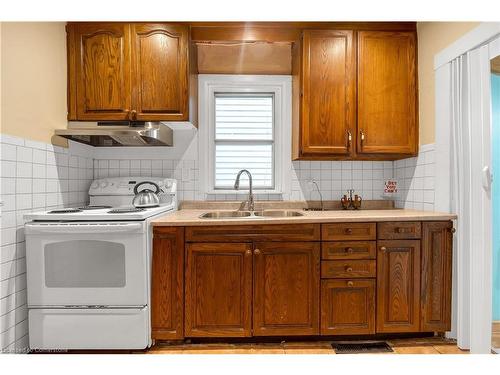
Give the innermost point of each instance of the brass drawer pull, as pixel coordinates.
(348, 269)
(349, 250)
(348, 230)
(256, 252)
(350, 283)
(248, 252)
(383, 249)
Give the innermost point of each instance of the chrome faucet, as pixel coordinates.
(250, 201)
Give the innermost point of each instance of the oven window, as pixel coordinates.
(84, 264)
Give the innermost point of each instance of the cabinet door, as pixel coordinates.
(218, 290)
(286, 288)
(160, 71)
(328, 93)
(387, 93)
(347, 307)
(398, 286)
(436, 276)
(167, 284)
(99, 71)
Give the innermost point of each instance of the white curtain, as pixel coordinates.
(469, 107)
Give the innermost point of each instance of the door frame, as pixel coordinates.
(472, 283)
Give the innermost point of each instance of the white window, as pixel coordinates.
(244, 124)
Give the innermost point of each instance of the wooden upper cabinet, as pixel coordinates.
(286, 288)
(328, 93)
(160, 73)
(167, 284)
(218, 300)
(99, 71)
(128, 71)
(398, 286)
(387, 93)
(436, 276)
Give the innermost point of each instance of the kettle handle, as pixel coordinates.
(144, 183)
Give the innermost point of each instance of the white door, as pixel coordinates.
(86, 264)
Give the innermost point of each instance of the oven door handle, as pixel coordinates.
(94, 228)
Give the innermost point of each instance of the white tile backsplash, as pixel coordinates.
(416, 177)
(34, 176)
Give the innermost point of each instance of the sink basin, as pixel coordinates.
(279, 213)
(225, 214)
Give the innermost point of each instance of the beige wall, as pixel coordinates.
(33, 79)
(432, 38)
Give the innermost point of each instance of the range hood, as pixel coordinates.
(123, 133)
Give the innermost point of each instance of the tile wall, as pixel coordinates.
(416, 177)
(38, 176)
(34, 176)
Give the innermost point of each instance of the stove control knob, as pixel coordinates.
(104, 184)
(95, 185)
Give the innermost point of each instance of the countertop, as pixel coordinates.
(191, 217)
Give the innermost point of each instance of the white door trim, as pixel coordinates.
(474, 38)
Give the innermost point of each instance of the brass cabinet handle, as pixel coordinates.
(348, 269)
(362, 134)
(383, 249)
(349, 139)
(350, 283)
(248, 252)
(348, 231)
(349, 250)
(256, 252)
(453, 230)
(133, 114)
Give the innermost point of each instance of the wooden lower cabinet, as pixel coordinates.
(251, 281)
(436, 276)
(167, 284)
(398, 286)
(286, 288)
(218, 301)
(348, 307)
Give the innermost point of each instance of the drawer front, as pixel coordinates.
(399, 230)
(349, 231)
(349, 250)
(258, 232)
(341, 269)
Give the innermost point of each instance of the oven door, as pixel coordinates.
(86, 264)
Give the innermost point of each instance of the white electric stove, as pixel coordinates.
(89, 269)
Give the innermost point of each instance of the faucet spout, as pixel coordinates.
(251, 204)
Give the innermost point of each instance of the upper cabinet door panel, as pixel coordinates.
(102, 57)
(160, 78)
(387, 93)
(328, 88)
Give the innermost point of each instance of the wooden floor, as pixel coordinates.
(495, 335)
(428, 345)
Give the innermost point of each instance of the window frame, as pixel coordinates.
(280, 87)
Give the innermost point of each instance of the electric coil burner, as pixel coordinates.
(126, 210)
(65, 211)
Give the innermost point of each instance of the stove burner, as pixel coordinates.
(125, 210)
(65, 211)
(87, 208)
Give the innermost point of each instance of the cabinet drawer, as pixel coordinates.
(399, 230)
(339, 269)
(349, 250)
(349, 231)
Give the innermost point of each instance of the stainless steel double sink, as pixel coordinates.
(249, 214)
